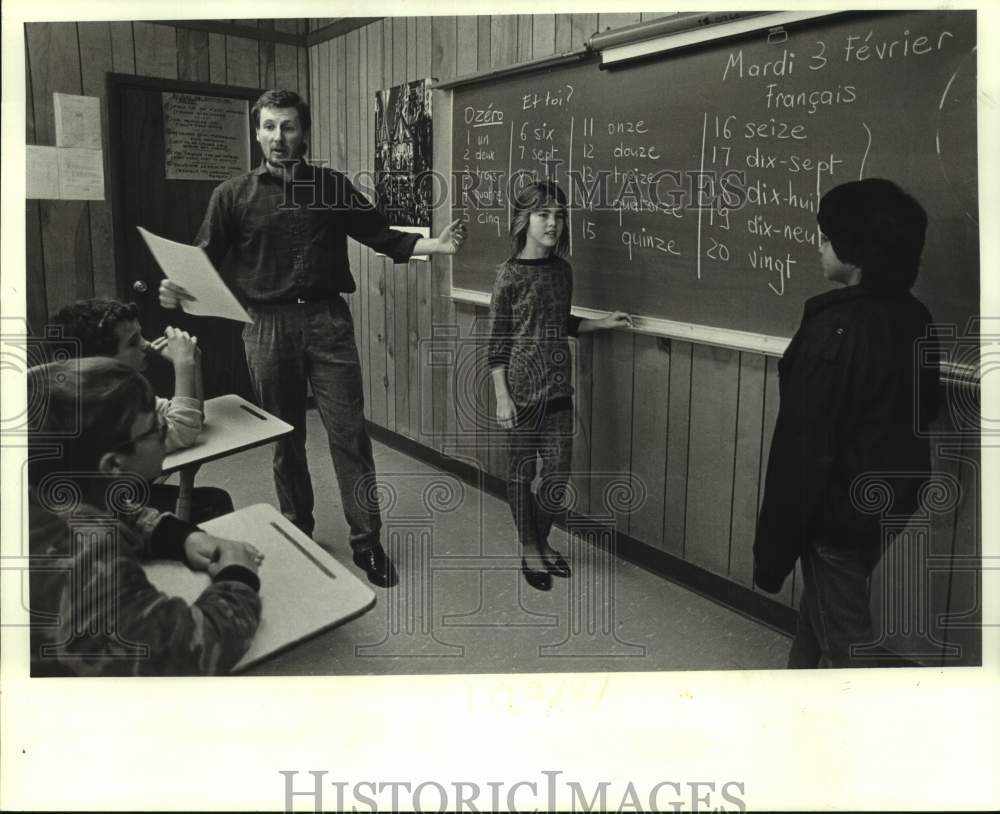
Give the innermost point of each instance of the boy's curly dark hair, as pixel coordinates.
(877, 227)
(93, 323)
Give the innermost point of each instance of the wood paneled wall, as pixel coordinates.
(692, 423)
(70, 244)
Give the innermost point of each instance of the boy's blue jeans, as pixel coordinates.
(291, 343)
(835, 613)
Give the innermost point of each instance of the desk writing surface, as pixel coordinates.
(231, 424)
(303, 589)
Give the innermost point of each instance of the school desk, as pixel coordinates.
(303, 590)
(231, 425)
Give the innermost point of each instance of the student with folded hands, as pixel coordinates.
(94, 441)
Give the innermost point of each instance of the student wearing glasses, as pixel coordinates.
(94, 443)
(105, 327)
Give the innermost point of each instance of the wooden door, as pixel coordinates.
(142, 196)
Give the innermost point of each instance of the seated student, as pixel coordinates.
(848, 384)
(93, 442)
(105, 327)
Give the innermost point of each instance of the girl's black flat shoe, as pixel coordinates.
(539, 580)
(559, 568)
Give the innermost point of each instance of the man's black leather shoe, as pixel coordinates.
(377, 566)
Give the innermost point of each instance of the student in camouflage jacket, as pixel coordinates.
(94, 443)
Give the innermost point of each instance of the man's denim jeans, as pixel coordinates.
(286, 345)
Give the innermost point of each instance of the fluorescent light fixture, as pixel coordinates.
(644, 47)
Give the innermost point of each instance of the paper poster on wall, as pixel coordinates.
(43, 172)
(403, 180)
(206, 138)
(78, 121)
(81, 174)
(65, 173)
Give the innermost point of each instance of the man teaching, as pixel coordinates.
(284, 227)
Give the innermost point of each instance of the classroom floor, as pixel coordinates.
(462, 606)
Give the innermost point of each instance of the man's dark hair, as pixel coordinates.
(83, 408)
(93, 323)
(877, 227)
(282, 98)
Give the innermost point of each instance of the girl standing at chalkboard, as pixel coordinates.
(530, 365)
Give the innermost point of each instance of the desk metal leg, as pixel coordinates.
(186, 491)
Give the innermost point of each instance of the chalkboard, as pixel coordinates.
(694, 177)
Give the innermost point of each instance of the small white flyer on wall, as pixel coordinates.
(43, 172)
(65, 173)
(81, 174)
(78, 121)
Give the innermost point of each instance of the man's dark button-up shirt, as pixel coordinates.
(288, 240)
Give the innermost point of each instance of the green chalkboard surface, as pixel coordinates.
(694, 177)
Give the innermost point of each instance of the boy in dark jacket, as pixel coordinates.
(847, 385)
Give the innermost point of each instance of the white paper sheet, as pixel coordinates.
(78, 121)
(81, 174)
(43, 172)
(189, 266)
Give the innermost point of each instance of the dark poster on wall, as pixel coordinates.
(403, 182)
